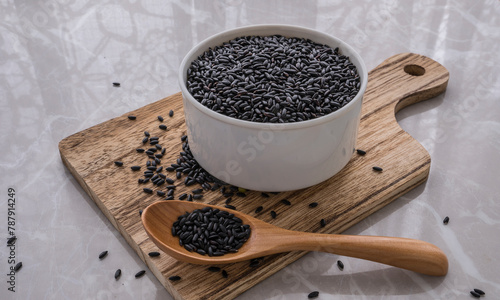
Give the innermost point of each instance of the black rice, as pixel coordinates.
(135, 168)
(480, 292)
(140, 150)
(360, 152)
(103, 254)
(160, 193)
(197, 197)
(195, 174)
(210, 231)
(160, 118)
(312, 295)
(147, 190)
(117, 84)
(132, 117)
(230, 206)
(446, 220)
(322, 223)
(378, 169)
(183, 196)
(18, 266)
(273, 214)
(475, 294)
(286, 202)
(225, 274)
(313, 204)
(119, 163)
(171, 113)
(174, 278)
(140, 274)
(118, 273)
(163, 127)
(197, 191)
(271, 79)
(259, 209)
(340, 264)
(154, 254)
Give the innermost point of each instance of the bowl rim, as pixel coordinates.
(247, 30)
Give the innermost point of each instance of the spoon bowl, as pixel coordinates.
(266, 239)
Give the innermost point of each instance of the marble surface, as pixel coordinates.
(58, 59)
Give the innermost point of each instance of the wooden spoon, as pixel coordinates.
(266, 239)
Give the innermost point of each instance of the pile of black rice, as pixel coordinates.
(273, 79)
(211, 232)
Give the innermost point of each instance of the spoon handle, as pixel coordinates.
(409, 254)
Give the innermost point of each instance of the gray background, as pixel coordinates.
(59, 58)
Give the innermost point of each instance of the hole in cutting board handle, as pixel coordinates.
(414, 70)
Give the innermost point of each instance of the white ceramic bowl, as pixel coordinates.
(272, 156)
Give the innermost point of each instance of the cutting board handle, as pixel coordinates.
(403, 79)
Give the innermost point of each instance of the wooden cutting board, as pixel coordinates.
(343, 200)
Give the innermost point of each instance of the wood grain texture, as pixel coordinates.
(345, 199)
